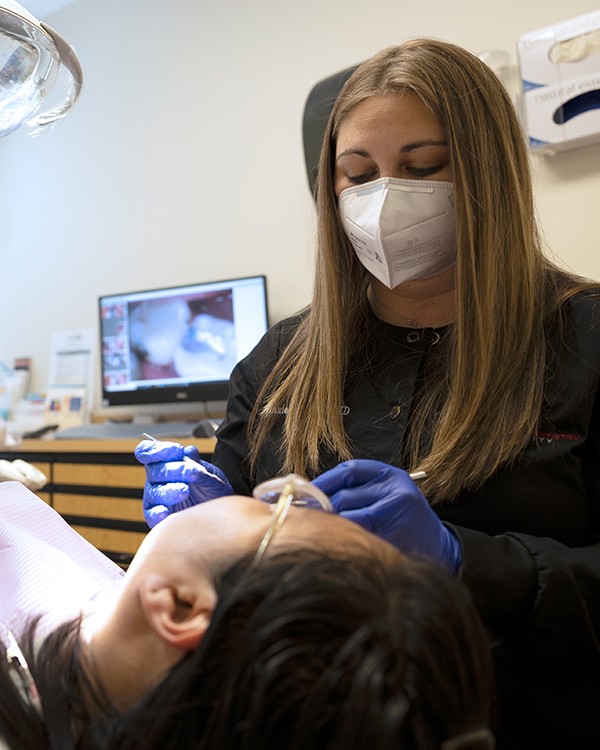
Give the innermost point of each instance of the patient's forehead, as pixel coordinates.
(238, 523)
(228, 509)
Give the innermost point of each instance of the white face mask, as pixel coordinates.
(401, 229)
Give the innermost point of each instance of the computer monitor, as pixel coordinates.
(178, 344)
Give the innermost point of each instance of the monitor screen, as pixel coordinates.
(178, 344)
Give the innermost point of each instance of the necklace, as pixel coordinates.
(410, 323)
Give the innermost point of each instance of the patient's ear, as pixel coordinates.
(178, 612)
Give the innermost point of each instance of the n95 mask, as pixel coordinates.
(401, 229)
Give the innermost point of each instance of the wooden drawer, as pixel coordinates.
(111, 540)
(44, 467)
(100, 475)
(120, 508)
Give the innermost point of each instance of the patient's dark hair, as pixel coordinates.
(303, 651)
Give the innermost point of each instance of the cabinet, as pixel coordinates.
(97, 487)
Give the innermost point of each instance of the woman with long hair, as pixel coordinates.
(441, 339)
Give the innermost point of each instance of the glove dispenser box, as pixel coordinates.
(560, 74)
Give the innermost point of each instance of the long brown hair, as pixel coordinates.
(482, 408)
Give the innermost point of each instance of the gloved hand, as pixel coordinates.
(177, 478)
(384, 500)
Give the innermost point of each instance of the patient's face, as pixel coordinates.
(216, 533)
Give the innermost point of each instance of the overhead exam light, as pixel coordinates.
(33, 59)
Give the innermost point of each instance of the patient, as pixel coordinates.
(328, 638)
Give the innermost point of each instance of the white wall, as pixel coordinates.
(183, 160)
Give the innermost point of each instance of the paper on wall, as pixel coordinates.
(70, 390)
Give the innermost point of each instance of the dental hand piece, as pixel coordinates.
(176, 478)
(386, 501)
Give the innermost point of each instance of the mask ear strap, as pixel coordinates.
(475, 739)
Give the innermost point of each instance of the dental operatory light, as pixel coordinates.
(37, 66)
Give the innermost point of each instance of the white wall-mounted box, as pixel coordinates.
(560, 75)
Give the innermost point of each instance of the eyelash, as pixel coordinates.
(423, 172)
(359, 179)
(414, 171)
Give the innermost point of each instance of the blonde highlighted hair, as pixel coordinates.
(483, 406)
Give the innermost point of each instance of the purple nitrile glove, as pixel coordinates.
(177, 478)
(385, 501)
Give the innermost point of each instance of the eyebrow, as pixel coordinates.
(405, 149)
